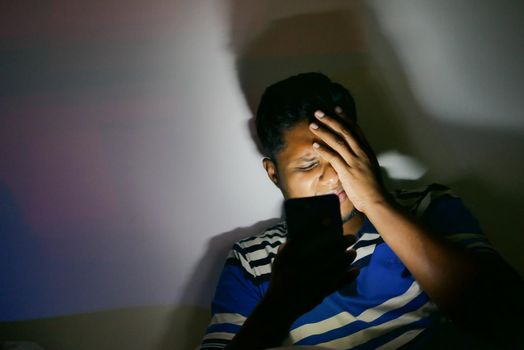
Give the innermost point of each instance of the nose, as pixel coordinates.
(328, 176)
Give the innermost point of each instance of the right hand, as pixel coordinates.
(307, 271)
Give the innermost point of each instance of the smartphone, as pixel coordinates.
(309, 216)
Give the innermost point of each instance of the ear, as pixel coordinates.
(271, 170)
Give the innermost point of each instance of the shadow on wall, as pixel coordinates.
(201, 288)
(186, 333)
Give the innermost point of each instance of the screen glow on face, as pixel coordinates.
(302, 172)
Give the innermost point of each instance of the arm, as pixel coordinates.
(457, 279)
(267, 326)
(479, 291)
(461, 283)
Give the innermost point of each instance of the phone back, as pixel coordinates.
(313, 215)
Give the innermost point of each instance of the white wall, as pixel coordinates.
(124, 150)
(126, 163)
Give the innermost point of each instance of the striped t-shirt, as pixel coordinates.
(384, 308)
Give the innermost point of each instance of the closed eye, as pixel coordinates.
(307, 167)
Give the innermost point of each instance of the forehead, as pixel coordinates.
(298, 143)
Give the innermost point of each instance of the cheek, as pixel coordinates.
(301, 184)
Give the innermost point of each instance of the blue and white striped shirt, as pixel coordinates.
(385, 308)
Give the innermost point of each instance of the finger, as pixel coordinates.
(335, 142)
(336, 161)
(341, 130)
(352, 121)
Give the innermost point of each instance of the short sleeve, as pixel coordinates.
(448, 216)
(235, 297)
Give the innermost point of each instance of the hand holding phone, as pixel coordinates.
(315, 261)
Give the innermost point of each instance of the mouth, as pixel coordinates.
(341, 194)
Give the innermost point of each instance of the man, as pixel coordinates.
(417, 259)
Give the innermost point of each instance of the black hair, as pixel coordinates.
(292, 100)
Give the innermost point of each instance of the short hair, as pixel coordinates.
(292, 100)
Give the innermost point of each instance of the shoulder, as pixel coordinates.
(256, 253)
(439, 208)
(275, 233)
(436, 204)
(445, 214)
(418, 201)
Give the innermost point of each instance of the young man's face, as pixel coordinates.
(300, 172)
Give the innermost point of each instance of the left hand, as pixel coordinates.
(305, 271)
(352, 159)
